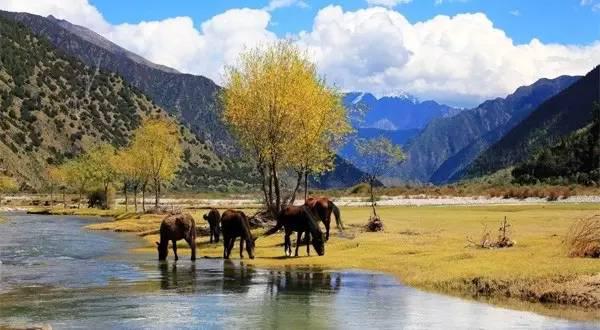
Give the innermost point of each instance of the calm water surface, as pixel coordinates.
(54, 272)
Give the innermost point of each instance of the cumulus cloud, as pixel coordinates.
(387, 3)
(460, 60)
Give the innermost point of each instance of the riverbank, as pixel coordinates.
(426, 247)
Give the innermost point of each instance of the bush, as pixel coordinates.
(97, 198)
(583, 238)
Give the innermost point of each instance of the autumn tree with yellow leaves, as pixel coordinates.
(284, 115)
(7, 185)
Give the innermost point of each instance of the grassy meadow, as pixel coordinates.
(427, 247)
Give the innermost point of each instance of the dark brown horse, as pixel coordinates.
(213, 217)
(235, 224)
(322, 207)
(299, 219)
(174, 228)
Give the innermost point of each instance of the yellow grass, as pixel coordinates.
(426, 247)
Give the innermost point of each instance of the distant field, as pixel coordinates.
(426, 247)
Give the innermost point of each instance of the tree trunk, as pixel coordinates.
(135, 191)
(292, 197)
(372, 198)
(79, 200)
(144, 198)
(64, 199)
(277, 188)
(305, 185)
(126, 199)
(105, 206)
(156, 193)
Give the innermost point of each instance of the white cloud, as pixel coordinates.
(515, 12)
(276, 4)
(387, 3)
(460, 60)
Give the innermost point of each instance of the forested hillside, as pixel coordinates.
(53, 107)
(556, 118)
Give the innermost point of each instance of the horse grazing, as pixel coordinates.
(235, 224)
(323, 207)
(174, 228)
(299, 219)
(213, 217)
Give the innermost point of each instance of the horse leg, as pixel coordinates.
(192, 243)
(211, 234)
(298, 243)
(327, 223)
(307, 239)
(288, 244)
(231, 244)
(225, 246)
(175, 250)
(241, 248)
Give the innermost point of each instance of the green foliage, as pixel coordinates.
(575, 159)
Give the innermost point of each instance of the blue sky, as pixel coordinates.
(458, 52)
(560, 21)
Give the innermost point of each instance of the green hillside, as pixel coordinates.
(553, 120)
(53, 107)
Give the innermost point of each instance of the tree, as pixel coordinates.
(7, 185)
(57, 179)
(101, 159)
(284, 116)
(130, 169)
(159, 152)
(80, 174)
(376, 157)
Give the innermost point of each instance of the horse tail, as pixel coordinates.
(337, 214)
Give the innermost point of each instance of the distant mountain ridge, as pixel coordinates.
(392, 113)
(447, 145)
(559, 116)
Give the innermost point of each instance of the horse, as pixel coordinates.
(235, 224)
(299, 219)
(213, 217)
(174, 228)
(323, 207)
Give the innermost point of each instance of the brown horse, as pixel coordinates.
(322, 207)
(174, 228)
(213, 217)
(235, 224)
(299, 219)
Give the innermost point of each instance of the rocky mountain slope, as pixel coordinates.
(559, 116)
(53, 107)
(447, 145)
(190, 98)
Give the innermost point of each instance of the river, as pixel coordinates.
(54, 272)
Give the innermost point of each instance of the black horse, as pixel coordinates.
(301, 220)
(235, 224)
(213, 217)
(174, 228)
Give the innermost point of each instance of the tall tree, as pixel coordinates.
(158, 146)
(284, 115)
(376, 157)
(130, 169)
(79, 174)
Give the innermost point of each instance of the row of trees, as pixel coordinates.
(149, 162)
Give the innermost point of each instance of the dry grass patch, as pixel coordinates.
(583, 238)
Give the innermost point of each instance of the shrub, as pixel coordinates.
(583, 238)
